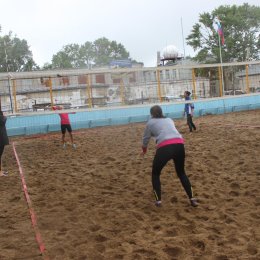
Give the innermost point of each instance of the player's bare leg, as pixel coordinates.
(72, 142)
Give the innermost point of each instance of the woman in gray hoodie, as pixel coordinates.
(3, 140)
(170, 145)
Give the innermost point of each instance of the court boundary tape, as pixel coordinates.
(38, 236)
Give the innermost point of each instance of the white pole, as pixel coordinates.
(220, 55)
(182, 38)
(9, 78)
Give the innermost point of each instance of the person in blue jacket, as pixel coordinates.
(188, 110)
(169, 146)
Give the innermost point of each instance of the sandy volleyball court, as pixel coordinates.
(96, 202)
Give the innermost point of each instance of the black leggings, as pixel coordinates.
(175, 152)
(2, 147)
(190, 122)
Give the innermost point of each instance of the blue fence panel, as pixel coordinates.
(38, 129)
(44, 123)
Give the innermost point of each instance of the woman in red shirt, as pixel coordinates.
(65, 125)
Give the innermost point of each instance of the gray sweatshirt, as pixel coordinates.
(161, 129)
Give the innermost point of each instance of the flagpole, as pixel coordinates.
(182, 38)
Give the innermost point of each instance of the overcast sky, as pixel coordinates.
(142, 26)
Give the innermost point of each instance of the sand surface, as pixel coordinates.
(96, 202)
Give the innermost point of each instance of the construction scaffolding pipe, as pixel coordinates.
(194, 83)
(247, 81)
(159, 85)
(220, 81)
(14, 95)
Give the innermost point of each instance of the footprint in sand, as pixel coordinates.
(127, 247)
(101, 238)
(174, 200)
(94, 228)
(234, 186)
(174, 251)
(221, 257)
(15, 199)
(144, 252)
(199, 244)
(252, 249)
(171, 233)
(234, 193)
(100, 248)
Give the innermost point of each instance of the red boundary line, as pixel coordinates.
(29, 203)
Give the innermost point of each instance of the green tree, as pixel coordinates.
(68, 57)
(241, 27)
(86, 54)
(106, 51)
(15, 55)
(47, 66)
(98, 53)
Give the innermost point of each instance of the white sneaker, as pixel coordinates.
(4, 173)
(74, 146)
(158, 203)
(64, 146)
(194, 202)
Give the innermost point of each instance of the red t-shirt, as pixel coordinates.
(64, 119)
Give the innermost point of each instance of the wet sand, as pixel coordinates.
(96, 202)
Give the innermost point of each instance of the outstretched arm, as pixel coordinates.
(146, 138)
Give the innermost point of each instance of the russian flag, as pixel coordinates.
(220, 30)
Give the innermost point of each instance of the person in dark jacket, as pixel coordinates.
(4, 140)
(188, 110)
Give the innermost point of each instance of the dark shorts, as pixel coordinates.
(64, 127)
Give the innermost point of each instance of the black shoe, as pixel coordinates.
(194, 202)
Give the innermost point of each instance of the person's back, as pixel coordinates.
(161, 129)
(170, 146)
